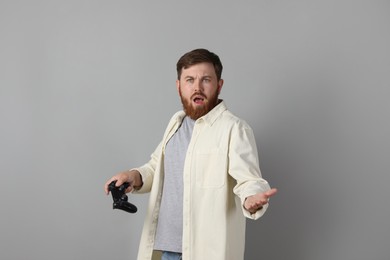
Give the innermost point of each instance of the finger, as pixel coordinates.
(271, 192)
(261, 204)
(108, 183)
(255, 207)
(106, 190)
(264, 201)
(119, 182)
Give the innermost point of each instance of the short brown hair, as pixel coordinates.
(198, 56)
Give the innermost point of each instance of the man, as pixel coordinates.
(204, 176)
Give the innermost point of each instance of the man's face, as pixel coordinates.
(199, 88)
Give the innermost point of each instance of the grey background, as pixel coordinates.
(87, 87)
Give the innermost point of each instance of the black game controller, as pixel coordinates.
(120, 198)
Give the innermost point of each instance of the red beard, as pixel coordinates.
(199, 111)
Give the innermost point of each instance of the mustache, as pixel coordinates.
(198, 94)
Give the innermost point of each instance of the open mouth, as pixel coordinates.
(198, 99)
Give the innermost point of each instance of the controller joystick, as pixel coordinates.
(120, 198)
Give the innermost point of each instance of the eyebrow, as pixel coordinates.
(202, 77)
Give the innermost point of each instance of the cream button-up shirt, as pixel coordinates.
(221, 170)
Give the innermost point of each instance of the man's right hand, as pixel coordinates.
(133, 177)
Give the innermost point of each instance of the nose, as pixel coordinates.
(198, 87)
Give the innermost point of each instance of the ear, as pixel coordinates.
(220, 84)
(178, 86)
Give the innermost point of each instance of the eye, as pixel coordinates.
(189, 80)
(206, 80)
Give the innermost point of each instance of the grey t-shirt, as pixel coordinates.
(170, 220)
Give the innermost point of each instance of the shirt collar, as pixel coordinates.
(211, 116)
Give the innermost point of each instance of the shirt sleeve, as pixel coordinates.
(147, 171)
(244, 166)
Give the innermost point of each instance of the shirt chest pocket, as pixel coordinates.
(210, 169)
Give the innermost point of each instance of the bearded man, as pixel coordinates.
(204, 176)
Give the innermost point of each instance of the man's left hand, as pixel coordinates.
(255, 202)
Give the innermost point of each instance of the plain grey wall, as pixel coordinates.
(87, 88)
